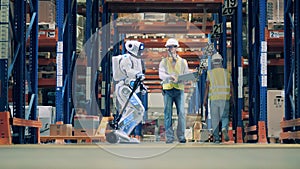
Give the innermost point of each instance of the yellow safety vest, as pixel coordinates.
(173, 70)
(219, 88)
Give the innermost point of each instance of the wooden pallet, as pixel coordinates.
(78, 139)
(286, 133)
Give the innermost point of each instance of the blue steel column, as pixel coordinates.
(96, 53)
(288, 61)
(3, 84)
(88, 50)
(73, 58)
(251, 63)
(95, 16)
(106, 62)
(66, 51)
(239, 52)
(234, 74)
(263, 75)
(19, 69)
(88, 24)
(254, 43)
(297, 55)
(95, 28)
(116, 40)
(223, 38)
(69, 48)
(4, 55)
(60, 16)
(66, 59)
(257, 65)
(33, 67)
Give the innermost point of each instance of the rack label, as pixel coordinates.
(264, 81)
(263, 63)
(60, 47)
(264, 46)
(59, 63)
(59, 81)
(240, 81)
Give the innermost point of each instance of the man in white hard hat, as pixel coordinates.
(170, 68)
(218, 89)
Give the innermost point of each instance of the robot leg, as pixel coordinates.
(131, 116)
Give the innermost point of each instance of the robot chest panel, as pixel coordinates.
(136, 64)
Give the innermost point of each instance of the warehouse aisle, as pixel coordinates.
(160, 155)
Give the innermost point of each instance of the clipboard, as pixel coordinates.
(188, 77)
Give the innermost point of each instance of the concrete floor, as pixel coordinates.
(151, 155)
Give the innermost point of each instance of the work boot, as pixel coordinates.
(182, 141)
(225, 134)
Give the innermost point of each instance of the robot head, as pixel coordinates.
(134, 47)
(172, 42)
(216, 58)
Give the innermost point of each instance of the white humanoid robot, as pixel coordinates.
(127, 72)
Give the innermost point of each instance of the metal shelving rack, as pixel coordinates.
(119, 6)
(66, 55)
(291, 59)
(257, 65)
(4, 55)
(91, 39)
(237, 73)
(17, 20)
(65, 58)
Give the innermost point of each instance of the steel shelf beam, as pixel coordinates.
(167, 6)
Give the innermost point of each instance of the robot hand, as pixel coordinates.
(143, 89)
(140, 76)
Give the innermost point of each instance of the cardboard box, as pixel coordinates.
(189, 134)
(61, 130)
(47, 11)
(84, 132)
(197, 128)
(85, 125)
(86, 122)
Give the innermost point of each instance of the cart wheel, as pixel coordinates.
(112, 137)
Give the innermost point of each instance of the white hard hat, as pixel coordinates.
(216, 57)
(172, 42)
(133, 47)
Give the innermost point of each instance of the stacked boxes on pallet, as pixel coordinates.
(85, 125)
(61, 130)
